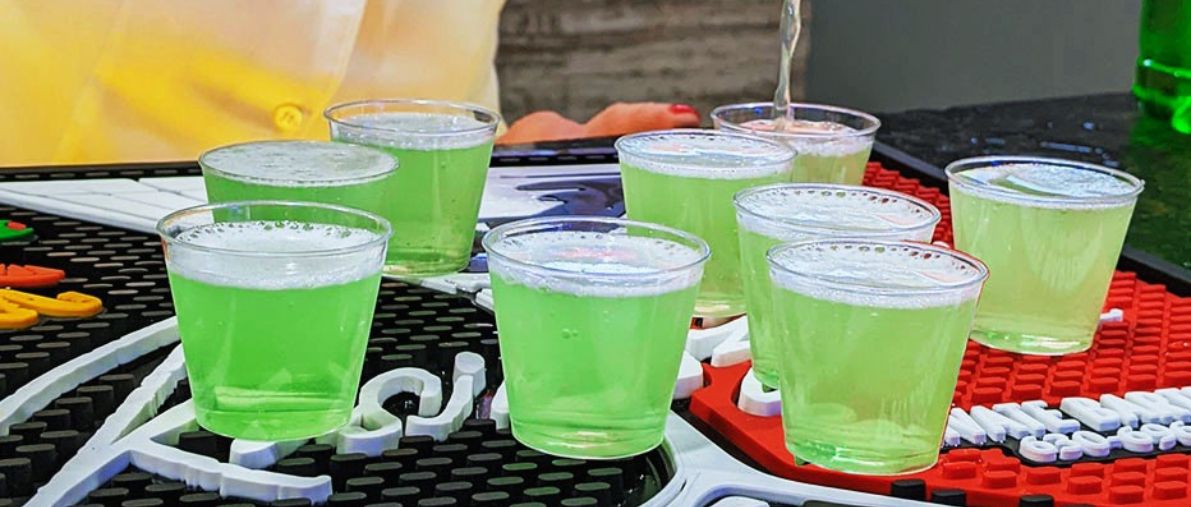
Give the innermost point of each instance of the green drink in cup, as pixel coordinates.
(833, 143)
(686, 179)
(872, 336)
(593, 315)
(274, 303)
(1050, 231)
(307, 171)
(443, 150)
(786, 212)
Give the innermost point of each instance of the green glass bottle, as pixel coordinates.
(1163, 82)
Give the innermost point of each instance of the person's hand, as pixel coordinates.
(617, 119)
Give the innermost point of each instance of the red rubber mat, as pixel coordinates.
(1149, 349)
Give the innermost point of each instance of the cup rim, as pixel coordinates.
(393, 164)
(875, 123)
(935, 215)
(788, 153)
(825, 281)
(171, 240)
(333, 116)
(489, 242)
(964, 164)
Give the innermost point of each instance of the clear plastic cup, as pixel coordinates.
(785, 212)
(1050, 231)
(872, 336)
(305, 171)
(832, 143)
(267, 356)
(443, 150)
(686, 179)
(593, 316)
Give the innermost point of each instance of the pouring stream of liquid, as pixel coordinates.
(791, 26)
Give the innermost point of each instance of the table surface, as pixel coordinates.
(1105, 129)
(1146, 350)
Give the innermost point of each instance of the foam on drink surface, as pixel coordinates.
(1023, 183)
(807, 137)
(299, 163)
(793, 211)
(595, 263)
(889, 275)
(415, 131)
(705, 154)
(208, 253)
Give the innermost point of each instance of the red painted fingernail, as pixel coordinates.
(683, 109)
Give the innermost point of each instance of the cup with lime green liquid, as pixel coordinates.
(274, 302)
(593, 315)
(443, 150)
(832, 143)
(306, 171)
(686, 179)
(872, 334)
(785, 212)
(1050, 231)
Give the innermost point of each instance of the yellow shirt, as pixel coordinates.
(93, 81)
